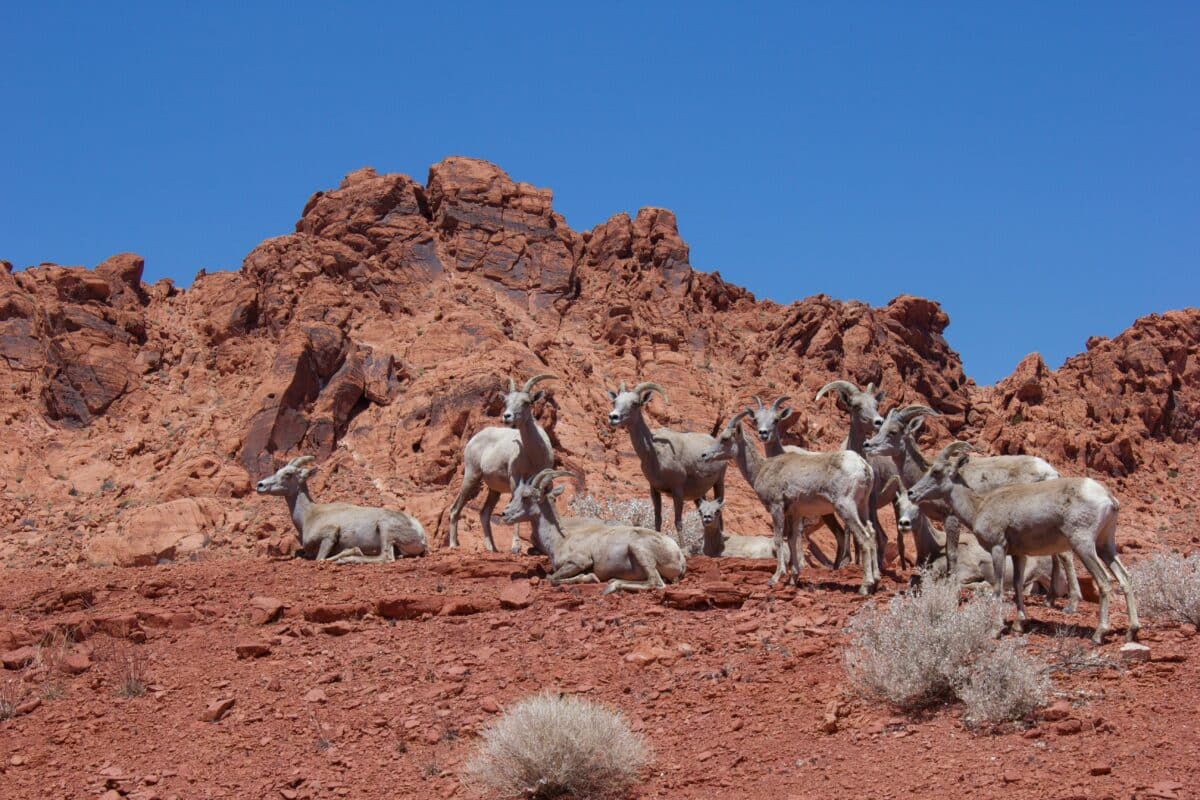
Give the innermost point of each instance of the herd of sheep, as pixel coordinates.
(1014, 506)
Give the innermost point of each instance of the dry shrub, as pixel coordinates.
(1003, 684)
(913, 651)
(639, 513)
(552, 745)
(128, 666)
(1168, 585)
(12, 694)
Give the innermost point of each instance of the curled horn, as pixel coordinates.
(954, 450)
(908, 413)
(736, 418)
(300, 461)
(529, 384)
(845, 388)
(759, 401)
(778, 400)
(648, 386)
(545, 476)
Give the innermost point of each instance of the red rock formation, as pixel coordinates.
(379, 335)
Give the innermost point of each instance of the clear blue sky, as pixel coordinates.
(1032, 166)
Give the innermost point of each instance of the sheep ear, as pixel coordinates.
(556, 491)
(612, 395)
(785, 412)
(915, 425)
(645, 398)
(720, 504)
(538, 396)
(961, 461)
(306, 472)
(879, 396)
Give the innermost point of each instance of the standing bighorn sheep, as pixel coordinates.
(1032, 519)
(897, 439)
(588, 551)
(671, 460)
(359, 534)
(796, 485)
(500, 457)
(718, 544)
(863, 408)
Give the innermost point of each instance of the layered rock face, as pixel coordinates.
(380, 334)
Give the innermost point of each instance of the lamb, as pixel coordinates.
(863, 408)
(671, 460)
(1032, 519)
(718, 544)
(796, 485)
(974, 566)
(500, 457)
(341, 531)
(896, 439)
(588, 551)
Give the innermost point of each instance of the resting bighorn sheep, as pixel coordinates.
(1034, 519)
(359, 534)
(897, 439)
(588, 551)
(863, 407)
(796, 485)
(718, 544)
(670, 460)
(500, 457)
(974, 566)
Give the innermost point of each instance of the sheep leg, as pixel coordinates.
(872, 517)
(852, 519)
(814, 549)
(1099, 574)
(778, 520)
(644, 557)
(842, 556)
(677, 500)
(1067, 563)
(485, 519)
(587, 577)
(719, 488)
(951, 526)
(998, 555)
(1019, 592)
(1122, 575)
(797, 559)
(656, 501)
(326, 545)
(472, 481)
(571, 572)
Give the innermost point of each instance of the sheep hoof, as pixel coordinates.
(1071, 607)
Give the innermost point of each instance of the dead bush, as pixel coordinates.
(12, 694)
(1168, 585)
(1003, 684)
(912, 651)
(553, 745)
(129, 668)
(639, 513)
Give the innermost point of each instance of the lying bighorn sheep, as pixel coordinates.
(670, 459)
(897, 439)
(718, 544)
(1032, 519)
(500, 457)
(588, 551)
(796, 485)
(768, 421)
(974, 566)
(360, 534)
(863, 407)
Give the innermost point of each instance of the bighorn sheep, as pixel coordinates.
(863, 408)
(796, 485)
(1031, 519)
(588, 551)
(359, 534)
(670, 460)
(500, 457)
(768, 421)
(897, 439)
(718, 544)
(974, 566)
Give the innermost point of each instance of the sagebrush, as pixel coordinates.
(912, 651)
(1168, 585)
(639, 513)
(926, 648)
(1003, 684)
(552, 745)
